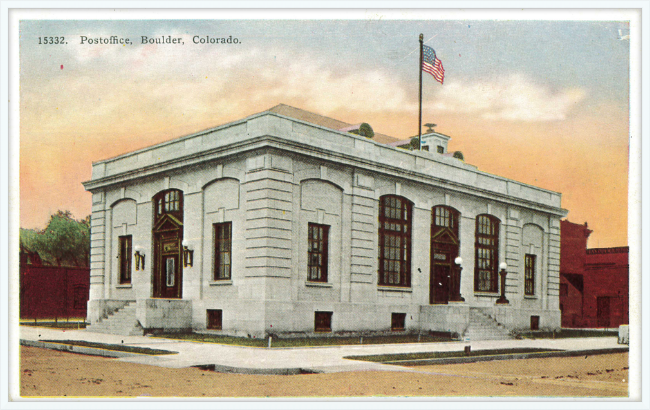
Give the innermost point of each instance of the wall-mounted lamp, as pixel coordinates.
(188, 254)
(502, 300)
(139, 258)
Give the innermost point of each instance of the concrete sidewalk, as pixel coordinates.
(244, 359)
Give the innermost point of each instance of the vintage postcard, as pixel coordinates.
(421, 204)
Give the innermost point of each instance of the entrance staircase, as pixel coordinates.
(120, 322)
(484, 327)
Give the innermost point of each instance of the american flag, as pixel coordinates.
(432, 65)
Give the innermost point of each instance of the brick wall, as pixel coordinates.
(53, 292)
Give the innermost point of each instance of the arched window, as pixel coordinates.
(487, 254)
(395, 214)
(445, 217)
(168, 202)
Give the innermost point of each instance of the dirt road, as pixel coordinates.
(51, 373)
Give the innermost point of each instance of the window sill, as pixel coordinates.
(224, 282)
(319, 284)
(531, 297)
(124, 286)
(394, 288)
(487, 294)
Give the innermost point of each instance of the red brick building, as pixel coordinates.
(593, 282)
(51, 292)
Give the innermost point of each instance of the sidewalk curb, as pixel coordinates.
(287, 371)
(93, 351)
(514, 356)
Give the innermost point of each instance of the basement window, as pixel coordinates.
(534, 323)
(214, 319)
(398, 322)
(323, 321)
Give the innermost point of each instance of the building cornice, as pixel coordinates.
(270, 130)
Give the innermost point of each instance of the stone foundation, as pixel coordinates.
(173, 315)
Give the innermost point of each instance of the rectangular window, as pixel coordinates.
(317, 252)
(441, 149)
(485, 262)
(214, 319)
(529, 274)
(394, 241)
(487, 248)
(222, 251)
(323, 321)
(398, 322)
(125, 258)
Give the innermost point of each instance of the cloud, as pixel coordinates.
(137, 86)
(513, 98)
(177, 74)
(325, 90)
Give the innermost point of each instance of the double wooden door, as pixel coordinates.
(167, 269)
(444, 250)
(440, 278)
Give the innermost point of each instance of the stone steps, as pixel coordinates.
(121, 322)
(483, 327)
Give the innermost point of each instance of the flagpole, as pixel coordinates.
(420, 115)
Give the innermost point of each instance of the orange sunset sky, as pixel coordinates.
(542, 102)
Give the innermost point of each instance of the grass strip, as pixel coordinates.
(57, 325)
(568, 333)
(303, 341)
(383, 358)
(118, 348)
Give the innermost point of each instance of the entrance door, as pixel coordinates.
(167, 277)
(167, 237)
(444, 249)
(440, 284)
(603, 311)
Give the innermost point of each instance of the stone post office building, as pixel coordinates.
(280, 223)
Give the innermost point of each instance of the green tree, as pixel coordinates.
(365, 130)
(64, 242)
